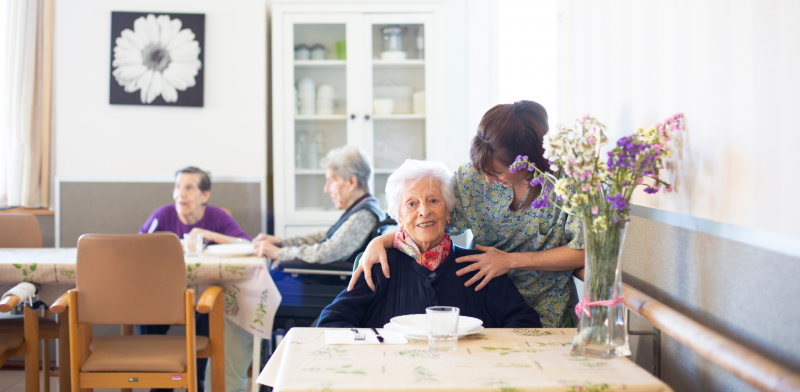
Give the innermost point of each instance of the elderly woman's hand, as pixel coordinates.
(489, 265)
(266, 249)
(268, 238)
(208, 235)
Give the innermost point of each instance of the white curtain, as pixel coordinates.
(20, 105)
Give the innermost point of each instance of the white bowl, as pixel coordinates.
(382, 106)
(393, 55)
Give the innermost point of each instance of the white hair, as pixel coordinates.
(349, 161)
(411, 171)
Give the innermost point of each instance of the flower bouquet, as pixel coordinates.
(599, 191)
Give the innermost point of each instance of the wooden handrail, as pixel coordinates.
(752, 368)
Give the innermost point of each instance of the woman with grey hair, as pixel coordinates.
(347, 172)
(421, 195)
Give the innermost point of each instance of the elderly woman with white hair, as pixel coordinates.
(347, 182)
(420, 196)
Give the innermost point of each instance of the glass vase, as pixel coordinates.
(602, 333)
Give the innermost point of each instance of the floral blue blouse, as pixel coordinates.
(484, 209)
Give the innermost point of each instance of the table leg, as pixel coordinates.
(256, 363)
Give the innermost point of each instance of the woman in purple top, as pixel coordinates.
(192, 214)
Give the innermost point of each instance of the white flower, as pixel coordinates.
(599, 225)
(561, 187)
(156, 57)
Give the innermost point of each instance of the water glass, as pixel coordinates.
(442, 328)
(192, 244)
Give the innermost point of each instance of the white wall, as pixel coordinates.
(227, 136)
(730, 66)
(470, 41)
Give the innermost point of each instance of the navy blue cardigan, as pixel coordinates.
(413, 288)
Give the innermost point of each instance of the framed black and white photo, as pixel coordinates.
(157, 59)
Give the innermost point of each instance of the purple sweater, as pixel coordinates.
(215, 219)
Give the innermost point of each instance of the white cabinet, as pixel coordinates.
(377, 85)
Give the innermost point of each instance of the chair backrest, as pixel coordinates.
(131, 279)
(19, 231)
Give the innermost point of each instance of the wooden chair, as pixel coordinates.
(31, 328)
(211, 301)
(128, 280)
(19, 231)
(22, 231)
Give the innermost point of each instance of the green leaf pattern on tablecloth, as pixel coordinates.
(329, 352)
(507, 350)
(192, 269)
(511, 365)
(262, 308)
(585, 386)
(238, 270)
(231, 304)
(531, 332)
(27, 271)
(67, 273)
(557, 344)
(345, 369)
(422, 374)
(417, 354)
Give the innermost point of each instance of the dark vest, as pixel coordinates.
(367, 202)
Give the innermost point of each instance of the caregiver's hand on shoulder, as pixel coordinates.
(375, 253)
(489, 265)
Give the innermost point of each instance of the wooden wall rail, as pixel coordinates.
(752, 368)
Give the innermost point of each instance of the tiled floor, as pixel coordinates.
(14, 381)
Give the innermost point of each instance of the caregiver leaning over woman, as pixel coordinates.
(537, 248)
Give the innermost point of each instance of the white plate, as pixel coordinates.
(417, 324)
(231, 249)
(401, 330)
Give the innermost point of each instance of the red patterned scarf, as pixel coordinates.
(430, 259)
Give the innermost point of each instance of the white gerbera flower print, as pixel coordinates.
(156, 57)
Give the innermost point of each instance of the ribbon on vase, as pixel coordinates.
(584, 305)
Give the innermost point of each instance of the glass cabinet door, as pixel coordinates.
(317, 99)
(395, 93)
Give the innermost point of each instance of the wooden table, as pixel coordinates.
(250, 296)
(495, 360)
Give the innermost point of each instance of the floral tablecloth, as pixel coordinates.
(496, 360)
(250, 296)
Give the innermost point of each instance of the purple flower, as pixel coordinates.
(650, 190)
(616, 219)
(618, 202)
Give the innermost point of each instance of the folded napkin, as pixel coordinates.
(346, 336)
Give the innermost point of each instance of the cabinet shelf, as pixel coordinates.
(404, 116)
(320, 63)
(398, 63)
(327, 117)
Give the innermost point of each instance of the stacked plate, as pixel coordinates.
(415, 326)
(230, 249)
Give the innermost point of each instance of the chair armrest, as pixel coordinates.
(206, 302)
(61, 304)
(8, 303)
